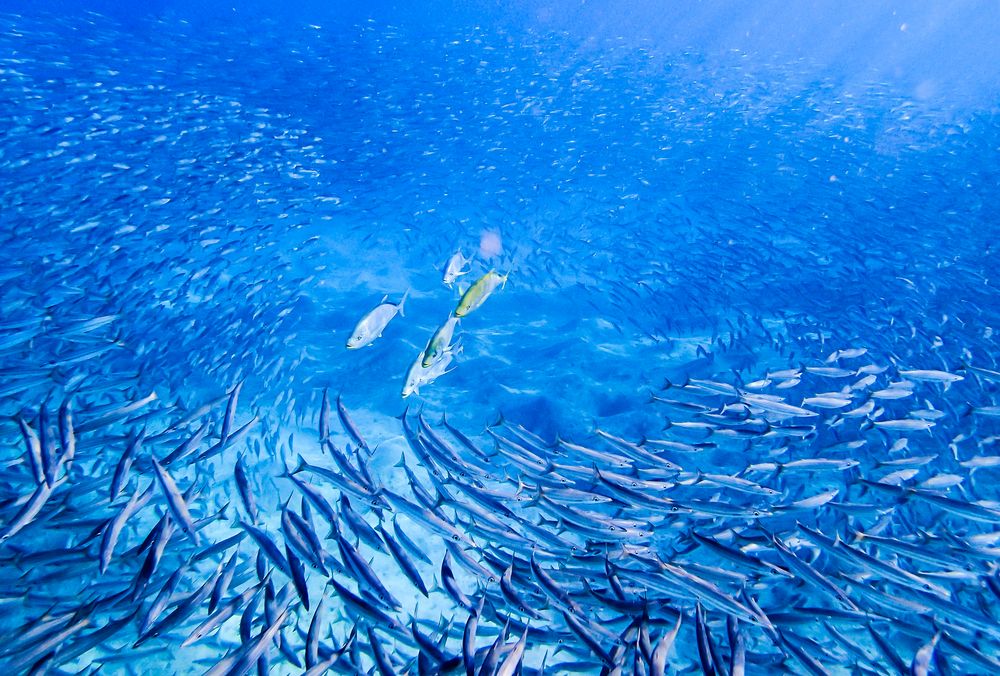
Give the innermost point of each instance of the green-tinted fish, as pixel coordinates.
(440, 342)
(477, 294)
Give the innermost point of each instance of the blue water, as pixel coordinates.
(705, 214)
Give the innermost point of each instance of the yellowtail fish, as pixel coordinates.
(440, 342)
(477, 294)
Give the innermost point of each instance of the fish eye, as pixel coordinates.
(455, 538)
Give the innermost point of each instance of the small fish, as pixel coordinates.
(830, 371)
(324, 417)
(34, 448)
(117, 523)
(827, 402)
(352, 429)
(848, 353)
(230, 415)
(454, 268)
(373, 324)
(406, 564)
(905, 425)
(512, 663)
(175, 501)
(216, 620)
(658, 659)
(932, 376)
(776, 405)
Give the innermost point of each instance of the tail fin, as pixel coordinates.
(403, 302)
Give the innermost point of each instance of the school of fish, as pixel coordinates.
(723, 391)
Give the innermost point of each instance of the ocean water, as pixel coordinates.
(726, 399)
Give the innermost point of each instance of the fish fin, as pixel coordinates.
(439, 500)
(536, 499)
(406, 295)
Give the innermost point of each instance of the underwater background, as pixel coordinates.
(499, 337)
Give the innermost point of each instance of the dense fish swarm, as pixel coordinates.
(737, 360)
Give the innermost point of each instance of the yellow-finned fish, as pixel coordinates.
(440, 342)
(477, 294)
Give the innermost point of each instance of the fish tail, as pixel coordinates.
(406, 295)
(852, 474)
(536, 498)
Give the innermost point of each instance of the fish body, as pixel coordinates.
(419, 375)
(454, 268)
(477, 294)
(932, 376)
(371, 326)
(440, 342)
